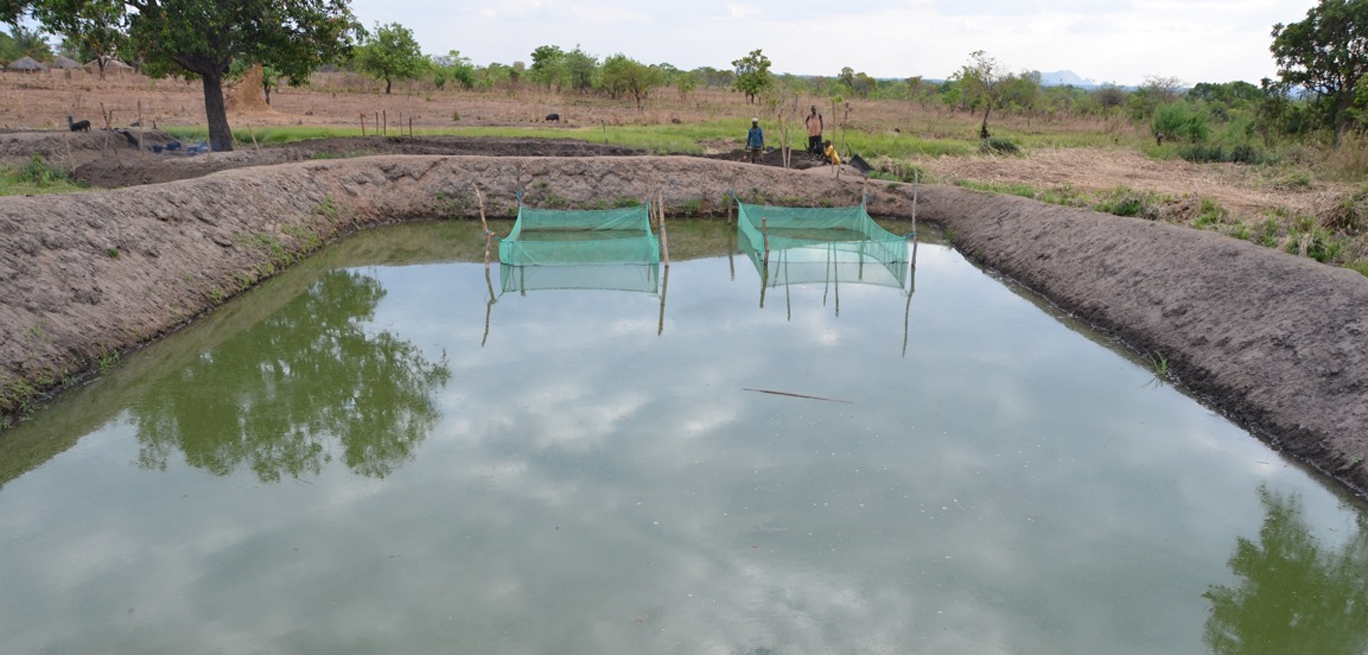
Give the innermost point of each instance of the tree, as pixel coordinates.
(391, 54)
(24, 42)
(982, 82)
(200, 39)
(548, 66)
(1327, 55)
(753, 74)
(94, 29)
(622, 75)
(454, 66)
(580, 68)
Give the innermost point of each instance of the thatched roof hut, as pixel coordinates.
(27, 64)
(61, 61)
(111, 66)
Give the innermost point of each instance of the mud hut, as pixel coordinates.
(62, 61)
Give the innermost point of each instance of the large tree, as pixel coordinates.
(391, 53)
(1327, 55)
(200, 39)
(753, 74)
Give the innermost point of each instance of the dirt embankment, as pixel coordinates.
(1271, 339)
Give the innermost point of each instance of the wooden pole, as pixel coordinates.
(71, 161)
(141, 149)
(410, 127)
(730, 207)
(664, 235)
(489, 236)
(385, 129)
(664, 288)
(363, 125)
(377, 123)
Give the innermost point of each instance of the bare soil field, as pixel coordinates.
(1272, 340)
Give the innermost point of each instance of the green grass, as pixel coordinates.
(35, 178)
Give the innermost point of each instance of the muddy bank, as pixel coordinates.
(1275, 341)
(1271, 339)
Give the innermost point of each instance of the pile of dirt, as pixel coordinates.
(110, 173)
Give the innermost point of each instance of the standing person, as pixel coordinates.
(814, 128)
(755, 140)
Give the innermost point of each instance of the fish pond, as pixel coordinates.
(389, 449)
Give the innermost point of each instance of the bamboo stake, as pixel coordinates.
(385, 130)
(489, 236)
(664, 235)
(71, 161)
(377, 123)
(363, 125)
(664, 288)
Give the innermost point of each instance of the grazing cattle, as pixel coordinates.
(554, 118)
(78, 126)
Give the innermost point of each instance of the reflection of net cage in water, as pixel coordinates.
(807, 245)
(611, 249)
(604, 249)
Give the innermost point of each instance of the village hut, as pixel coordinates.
(62, 61)
(27, 64)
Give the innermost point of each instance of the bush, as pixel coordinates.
(995, 145)
(1181, 120)
(39, 173)
(1125, 201)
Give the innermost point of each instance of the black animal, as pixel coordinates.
(78, 126)
(132, 140)
(555, 118)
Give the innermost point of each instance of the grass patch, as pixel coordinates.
(36, 177)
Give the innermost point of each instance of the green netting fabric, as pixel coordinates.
(802, 245)
(555, 237)
(613, 277)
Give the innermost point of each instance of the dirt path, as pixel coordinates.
(1272, 340)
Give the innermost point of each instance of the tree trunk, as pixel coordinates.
(220, 135)
(983, 129)
(388, 84)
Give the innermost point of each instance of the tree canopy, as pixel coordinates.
(390, 54)
(753, 74)
(1327, 55)
(200, 39)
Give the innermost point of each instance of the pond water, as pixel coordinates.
(365, 455)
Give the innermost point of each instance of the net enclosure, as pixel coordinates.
(804, 245)
(580, 249)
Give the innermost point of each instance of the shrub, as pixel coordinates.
(995, 145)
(39, 173)
(1125, 201)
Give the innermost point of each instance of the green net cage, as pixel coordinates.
(805, 245)
(611, 249)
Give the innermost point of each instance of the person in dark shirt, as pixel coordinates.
(755, 141)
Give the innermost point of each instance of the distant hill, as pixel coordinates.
(1069, 78)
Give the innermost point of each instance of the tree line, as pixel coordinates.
(1321, 60)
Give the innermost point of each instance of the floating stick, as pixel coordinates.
(797, 395)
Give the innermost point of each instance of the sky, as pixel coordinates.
(1117, 41)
